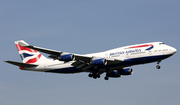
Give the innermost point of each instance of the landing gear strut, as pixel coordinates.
(158, 66)
(106, 77)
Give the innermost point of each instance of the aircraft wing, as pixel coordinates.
(54, 53)
(21, 64)
(83, 59)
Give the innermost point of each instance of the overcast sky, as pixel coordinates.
(88, 26)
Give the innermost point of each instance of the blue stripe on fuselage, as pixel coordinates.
(150, 48)
(142, 60)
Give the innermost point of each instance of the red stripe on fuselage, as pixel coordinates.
(146, 45)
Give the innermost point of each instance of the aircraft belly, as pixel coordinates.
(127, 62)
(140, 60)
(65, 70)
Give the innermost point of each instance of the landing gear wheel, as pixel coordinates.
(158, 67)
(106, 78)
(98, 76)
(94, 76)
(90, 75)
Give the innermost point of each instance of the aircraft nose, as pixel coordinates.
(174, 50)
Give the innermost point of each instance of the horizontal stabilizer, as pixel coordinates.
(21, 64)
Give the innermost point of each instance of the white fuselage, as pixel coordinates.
(130, 55)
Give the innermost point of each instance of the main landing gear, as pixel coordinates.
(94, 75)
(158, 66)
(106, 78)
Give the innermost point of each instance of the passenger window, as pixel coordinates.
(165, 50)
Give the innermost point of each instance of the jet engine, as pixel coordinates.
(101, 61)
(114, 74)
(118, 73)
(66, 57)
(126, 71)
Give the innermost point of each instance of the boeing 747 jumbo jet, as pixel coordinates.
(114, 63)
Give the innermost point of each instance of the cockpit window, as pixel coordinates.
(161, 43)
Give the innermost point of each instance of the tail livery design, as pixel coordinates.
(28, 55)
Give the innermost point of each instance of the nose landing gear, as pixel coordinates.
(158, 66)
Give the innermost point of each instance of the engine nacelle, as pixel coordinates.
(66, 57)
(126, 71)
(114, 74)
(118, 73)
(101, 61)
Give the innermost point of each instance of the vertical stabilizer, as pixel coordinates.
(28, 55)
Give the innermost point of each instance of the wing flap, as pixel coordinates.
(82, 58)
(21, 64)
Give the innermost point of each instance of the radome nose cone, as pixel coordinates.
(174, 50)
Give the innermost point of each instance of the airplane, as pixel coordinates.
(115, 63)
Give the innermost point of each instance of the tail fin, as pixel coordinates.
(28, 55)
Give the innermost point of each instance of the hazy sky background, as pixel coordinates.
(87, 26)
